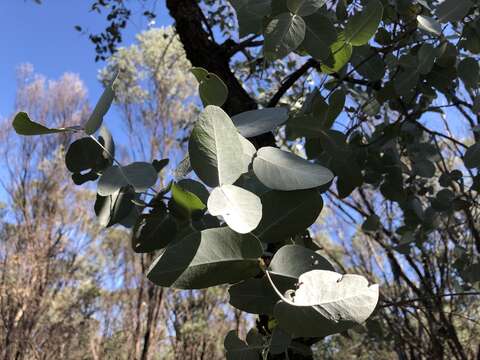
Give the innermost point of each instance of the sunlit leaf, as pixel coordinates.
(184, 201)
(326, 303)
(241, 209)
(341, 52)
(429, 24)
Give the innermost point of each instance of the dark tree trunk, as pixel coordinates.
(203, 51)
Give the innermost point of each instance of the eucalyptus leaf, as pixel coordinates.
(304, 7)
(140, 175)
(368, 63)
(214, 148)
(199, 73)
(256, 122)
(372, 223)
(280, 341)
(241, 209)
(24, 126)
(85, 154)
(282, 170)
(326, 303)
(237, 349)
(453, 10)
(362, 26)
(184, 201)
(406, 81)
(283, 34)
(95, 120)
(153, 231)
(250, 14)
(287, 213)
(207, 258)
(196, 188)
(469, 71)
(320, 34)
(248, 152)
(426, 58)
(341, 52)
(213, 90)
(113, 208)
(291, 261)
(256, 296)
(429, 24)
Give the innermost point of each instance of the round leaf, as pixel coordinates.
(469, 72)
(291, 261)
(196, 188)
(453, 10)
(241, 209)
(213, 90)
(287, 213)
(84, 154)
(282, 170)
(326, 303)
(114, 208)
(184, 201)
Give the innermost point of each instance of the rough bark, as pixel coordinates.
(203, 51)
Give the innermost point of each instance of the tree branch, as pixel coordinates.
(291, 80)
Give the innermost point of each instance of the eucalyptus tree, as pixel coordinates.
(382, 96)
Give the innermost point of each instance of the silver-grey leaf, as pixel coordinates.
(282, 170)
(256, 122)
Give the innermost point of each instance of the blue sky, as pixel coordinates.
(44, 36)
